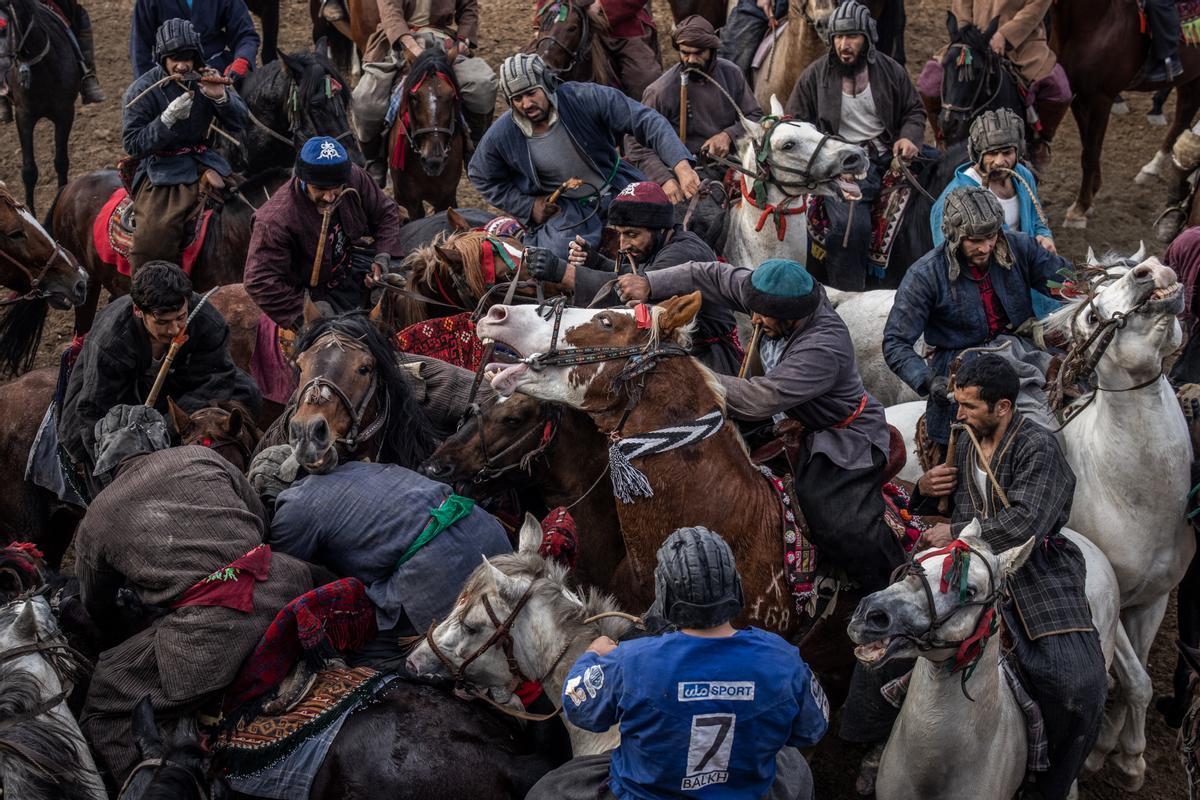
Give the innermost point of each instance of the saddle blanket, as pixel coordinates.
(450, 339)
(113, 239)
(886, 214)
(269, 367)
(278, 757)
(1189, 19)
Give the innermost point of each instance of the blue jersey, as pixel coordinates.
(699, 717)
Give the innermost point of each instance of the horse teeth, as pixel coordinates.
(487, 340)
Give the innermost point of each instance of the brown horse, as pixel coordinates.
(428, 140)
(1100, 45)
(568, 40)
(228, 428)
(40, 273)
(522, 443)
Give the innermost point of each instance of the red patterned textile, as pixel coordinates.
(449, 339)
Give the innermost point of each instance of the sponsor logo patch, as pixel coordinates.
(593, 679)
(715, 690)
(574, 690)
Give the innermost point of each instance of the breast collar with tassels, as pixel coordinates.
(311, 392)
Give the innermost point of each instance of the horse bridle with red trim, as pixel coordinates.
(547, 428)
(35, 291)
(585, 37)
(412, 135)
(357, 434)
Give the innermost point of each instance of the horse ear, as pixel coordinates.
(145, 730)
(236, 422)
(677, 313)
(1013, 559)
(776, 106)
(991, 29)
(530, 538)
(179, 418)
(505, 585)
(1091, 257)
(311, 312)
(457, 223)
(952, 25)
(448, 254)
(26, 626)
(1140, 255)
(377, 316)
(292, 65)
(753, 128)
(186, 732)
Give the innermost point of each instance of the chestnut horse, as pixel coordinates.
(525, 444)
(1101, 47)
(568, 40)
(428, 140)
(227, 428)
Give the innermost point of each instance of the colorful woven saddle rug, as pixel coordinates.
(278, 756)
(1189, 19)
(112, 233)
(450, 339)
(886, 214)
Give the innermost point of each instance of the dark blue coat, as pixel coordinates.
(597, 118)
(225, 28)
(146, 137)
(950, 314)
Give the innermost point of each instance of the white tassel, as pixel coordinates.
(628, 481)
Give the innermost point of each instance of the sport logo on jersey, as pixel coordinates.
(715, 690)
(709, 749)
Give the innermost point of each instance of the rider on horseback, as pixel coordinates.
(713, 125)
(631, 42)
(284, 237)
(181, 530)
(553, 134)
(407, 27)
(1015, 481)
(1163, 65)
(864, 97)
(644, 221)
(996, 145)
(702, 706)
(166, 128)
(1021, 38)
(809, 375)
(228, 41)
(973, 291)
(123, 353)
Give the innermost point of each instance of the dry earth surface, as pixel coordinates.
(1122, 219)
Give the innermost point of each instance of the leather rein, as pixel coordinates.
(35, 291)
(585, 38)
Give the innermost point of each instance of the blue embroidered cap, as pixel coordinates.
(782, 289)
(323, 162)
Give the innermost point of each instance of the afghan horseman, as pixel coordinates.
(971, 292)
(643, 220)
(864, 97)
(1021, 38)
(228, 40)
(713, 125)
(124, 353)
(80, 27)
(1046, 614)
(286, 231)
(631, 43)
(166, 130)
(406, 28)
(552, 134)
(809, 375)
(182, 530)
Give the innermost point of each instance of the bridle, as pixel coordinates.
(300, 122)
(9, 16)
(412, 135)
(563, 9)
(164, 763)
(239, 442)
(493, 464)
(642, 357)
(991, 73)
(35, 280)
(318, 389)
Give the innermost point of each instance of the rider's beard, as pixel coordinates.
(852, 69)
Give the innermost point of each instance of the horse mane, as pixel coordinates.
(316, 67)
(431, 61)
(46, 736)
(553, 582)
(1062, 320)
(407, 434)
(971, 36)
(426, 266)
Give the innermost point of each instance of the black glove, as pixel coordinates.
(939, 391)
(597, 260)
(543, 265)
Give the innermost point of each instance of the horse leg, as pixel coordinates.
(62, 150)
(1187, 102)
(1141, 624)
(1127, 672)
(270, 29)
(29, 170)
(1092, 117)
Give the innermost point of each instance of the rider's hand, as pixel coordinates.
(939, 391)
(939, 481)
(543, 265)
(577, 252)
(905, 149)
(213, 91)
(939, 535)
(765, 6)
(237, 68)
(411, 45)
(633, 289)
(674, 193)
(1189, 401)
(602, 645)
(998, 43)
(177, 110)
(1047, 244)
(543, 210)
(380, 266)
(718, 144)
(689, 181)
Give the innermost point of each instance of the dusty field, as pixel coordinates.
(1123, 217)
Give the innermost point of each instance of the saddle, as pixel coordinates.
(887, 212)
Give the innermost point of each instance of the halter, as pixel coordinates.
(563, 9)
(311, 392)
(23, 64)
(965, 57)
(298, 117)
(35, 281)
(546, 430)
(413, 135)
(216, 444)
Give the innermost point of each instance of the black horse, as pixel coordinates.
(41, 74)
(292, 99)
(974, 79)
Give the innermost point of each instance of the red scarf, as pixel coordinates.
(231, 586)
(997, 320)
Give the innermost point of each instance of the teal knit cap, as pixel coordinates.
(783, 289)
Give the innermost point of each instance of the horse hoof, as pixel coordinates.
(1131, 771)
(1120, 108)
(1094, 763)
(1157, 120)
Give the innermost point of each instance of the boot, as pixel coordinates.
(1050, 114)
(933, 109)
(90, 90)
(374, 152)
(1172, 219)
(6, 114)
(478, 124)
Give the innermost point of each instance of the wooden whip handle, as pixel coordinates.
(161, 377)
(683, 107)
(316, 267)
(944, 503)
(750, 350)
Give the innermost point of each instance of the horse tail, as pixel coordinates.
(21, 335)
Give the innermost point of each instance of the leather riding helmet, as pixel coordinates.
(525, 71)
(996, 129)
(972, 212)
(174, 38)
(696, 583)
(849, 18)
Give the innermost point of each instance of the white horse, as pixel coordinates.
(37, 670)
(946, 746)
(549, 632)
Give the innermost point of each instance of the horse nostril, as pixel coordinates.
(319, 429)
(434, 469)
(879, 620)
(295, 431)
(497, 314)
(854, 163)
(1143, 272)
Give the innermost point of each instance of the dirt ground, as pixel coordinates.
(1123, 217)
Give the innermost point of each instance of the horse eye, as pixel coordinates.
(512, 422)
(16, 235)
(605, 322)
(971, 592)
(788, 146)
(364, 370)
(470, 630)
(1092, 319)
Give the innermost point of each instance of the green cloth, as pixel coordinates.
(452, 509)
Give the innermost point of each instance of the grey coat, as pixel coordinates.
(816, 380)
